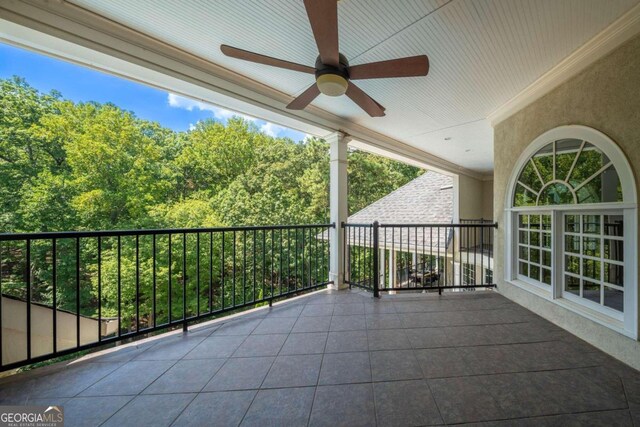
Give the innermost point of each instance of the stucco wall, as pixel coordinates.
(14, 330)
(487, 199)
(606, 96)
(474, 198)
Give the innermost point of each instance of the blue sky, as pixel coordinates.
(83, 84)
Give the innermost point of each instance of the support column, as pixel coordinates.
(338, 206)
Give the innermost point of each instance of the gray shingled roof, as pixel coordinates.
(427, 199)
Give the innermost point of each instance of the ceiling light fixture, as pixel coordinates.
(332, 84)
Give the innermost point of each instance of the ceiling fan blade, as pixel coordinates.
(411, 66)
(234, 52)
(364, 101)
(323, 16)
(304, 98)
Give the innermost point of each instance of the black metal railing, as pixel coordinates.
(69, 291)
(401, 257)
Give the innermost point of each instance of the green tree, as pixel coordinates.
(91, 166)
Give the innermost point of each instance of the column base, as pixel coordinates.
(338, 287)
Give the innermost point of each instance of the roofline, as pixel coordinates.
(400, 188)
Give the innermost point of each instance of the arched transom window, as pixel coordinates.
(573, 222)
(568, 171)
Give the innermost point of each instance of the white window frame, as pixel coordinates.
(488, 272)
(468, 273)
(523, 278)
(578, 299)
(625, 323)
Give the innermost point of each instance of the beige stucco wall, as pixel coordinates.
(14, 330)
(606, 96)
(487, 199)
(474, 198)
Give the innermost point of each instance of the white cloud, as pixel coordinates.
(272, 129)
(188, 104)
(223, 115)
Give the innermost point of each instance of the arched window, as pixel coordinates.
(572, 217)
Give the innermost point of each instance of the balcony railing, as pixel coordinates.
(71, 291)
(405, 257)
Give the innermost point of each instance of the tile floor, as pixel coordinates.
(345, 359)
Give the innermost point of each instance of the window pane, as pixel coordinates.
(572, 244)
(556, 194)
(591, 269)
(544, 162)
(546, 240)
(523, 253)
(523, 221)
(572, 264)
(591, 192)
(589, 162)
(614, 274)
(591, 246)
(611, 188)
(591, 291)
(546, 222)
(546, 276)
(529, 177)
(523, 197)
(613, 249)
(566, 152)
(534, 255)
(534, 238)
(613, 225)
(534, 222)
(613, 298)
(591, 224)
(523, 268)
(572, 173)
(523, 237)
(546, 258)
(572, 223)
(572, 285)
(534, 272)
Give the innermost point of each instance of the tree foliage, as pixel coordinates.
(90, 166)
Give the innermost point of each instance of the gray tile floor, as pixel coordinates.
(345, 359)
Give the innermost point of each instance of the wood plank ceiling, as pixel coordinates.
(482, 54)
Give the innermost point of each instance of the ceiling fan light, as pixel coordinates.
(332, 84)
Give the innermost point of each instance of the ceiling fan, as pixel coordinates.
(332, 70)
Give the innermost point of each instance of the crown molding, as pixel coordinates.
(621, 30)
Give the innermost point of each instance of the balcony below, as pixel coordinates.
(345, 358)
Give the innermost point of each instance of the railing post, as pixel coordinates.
(376, 261)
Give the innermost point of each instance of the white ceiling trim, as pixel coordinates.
(78, 26)
(621, 30)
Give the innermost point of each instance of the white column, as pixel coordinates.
(338, 205)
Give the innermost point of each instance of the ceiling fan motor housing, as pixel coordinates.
(332, 81)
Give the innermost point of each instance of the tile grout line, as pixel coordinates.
(140, 392)
(270, 367)
(315, 389)
(375, 408)
(540, 416)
